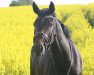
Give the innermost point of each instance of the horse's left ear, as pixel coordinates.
(35, 8)
(51, 7)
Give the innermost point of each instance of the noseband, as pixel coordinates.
(44, 36)
(46, 40)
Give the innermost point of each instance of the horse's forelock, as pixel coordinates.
(45, 12)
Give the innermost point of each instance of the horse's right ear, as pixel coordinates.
(51, 7)
(35, 8)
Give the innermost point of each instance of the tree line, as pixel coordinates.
(20, 2)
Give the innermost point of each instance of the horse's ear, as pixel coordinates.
(51, 7)
(35, 8)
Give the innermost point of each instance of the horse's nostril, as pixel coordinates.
(39, 50)
(40, 46)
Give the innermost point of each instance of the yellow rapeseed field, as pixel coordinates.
(16, 34)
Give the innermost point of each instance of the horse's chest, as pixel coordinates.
(44, 65)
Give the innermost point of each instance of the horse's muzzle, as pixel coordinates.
(38, 49)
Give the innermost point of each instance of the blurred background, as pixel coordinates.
(6, 3)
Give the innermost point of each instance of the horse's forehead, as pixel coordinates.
(43, 20)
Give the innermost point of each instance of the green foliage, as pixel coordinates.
(89, 14)
(25, 2)
(14, 3)
(21, 2)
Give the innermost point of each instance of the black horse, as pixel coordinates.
(53, 52)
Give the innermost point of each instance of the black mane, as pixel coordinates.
(65, 30)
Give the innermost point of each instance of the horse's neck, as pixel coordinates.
(62, 42)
